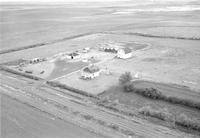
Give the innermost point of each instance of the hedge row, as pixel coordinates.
(162, 114)
(20, 73)
(185, 102)
(155, 94)
(64, 86)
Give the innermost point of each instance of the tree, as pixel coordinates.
(128, 87)
(126, 81)
(126, 77)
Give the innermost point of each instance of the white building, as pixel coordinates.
(86, 50)
(124, 53)
(90, 72)
(109, 49)
(37, 60)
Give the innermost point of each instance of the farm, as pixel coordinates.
(67, 67)
(146, 62)
(70, 59)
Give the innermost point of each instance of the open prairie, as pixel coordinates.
(66, 60)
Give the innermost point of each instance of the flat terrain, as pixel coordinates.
(164, 38)
(77, 109)
(21, 121)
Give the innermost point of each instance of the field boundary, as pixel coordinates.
(4, 68)
(43, 43)
(155, 36)
(72, 89)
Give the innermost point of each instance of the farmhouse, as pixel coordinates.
(90, 72)
(124, 53)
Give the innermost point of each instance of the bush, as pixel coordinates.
(150, 92)
(184, 102)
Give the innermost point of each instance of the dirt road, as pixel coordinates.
(80, 110)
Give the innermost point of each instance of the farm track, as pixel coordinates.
(44, 43)
(40, 96)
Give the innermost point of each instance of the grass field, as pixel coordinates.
(94, 86)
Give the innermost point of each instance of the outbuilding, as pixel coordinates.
(73, 55)
(124, 53)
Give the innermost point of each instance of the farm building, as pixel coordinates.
(73, 55)
(124, 53)
(109, 49)
(86, 50)
(90, 72)
(36, 60)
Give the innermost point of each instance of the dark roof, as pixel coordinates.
(73, 54)
(91, 69)
(127, 50)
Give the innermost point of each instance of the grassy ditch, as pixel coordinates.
(64, 86)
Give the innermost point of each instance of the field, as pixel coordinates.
(14, 116)
(57, 42)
